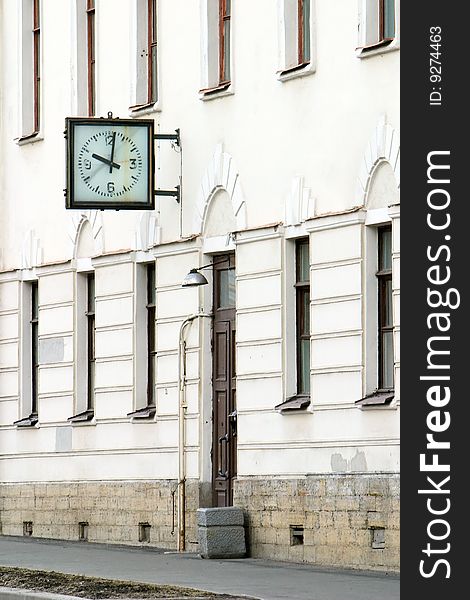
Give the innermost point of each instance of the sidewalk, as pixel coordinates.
(268, 580)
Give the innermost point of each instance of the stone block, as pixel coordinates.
(376, 519)
(210, 517)
(347, 503)
(221, 541)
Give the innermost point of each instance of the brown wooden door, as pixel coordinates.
(224, 442)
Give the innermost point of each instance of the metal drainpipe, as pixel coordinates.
(181, 542)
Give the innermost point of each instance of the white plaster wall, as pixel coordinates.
(310, 134)
(312, 126)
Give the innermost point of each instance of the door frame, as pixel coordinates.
(224, 321)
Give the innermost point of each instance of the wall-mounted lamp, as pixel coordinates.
(194, 278)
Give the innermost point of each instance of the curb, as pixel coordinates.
(7, 593)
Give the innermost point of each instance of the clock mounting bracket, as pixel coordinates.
(175, 138)
(79, 155)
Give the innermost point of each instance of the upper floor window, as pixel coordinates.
(377, 26)
(145, 89)
(91, 51)
(303, 31)
(296, 41)
(224, 40)
(36, 63)
(152, 51)
(385, 312)
(216, 47)
(30, 108)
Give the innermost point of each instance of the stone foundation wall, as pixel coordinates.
(112, 510)
(338, 520)
(348, 521)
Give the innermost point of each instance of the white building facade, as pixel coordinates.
(127, 401)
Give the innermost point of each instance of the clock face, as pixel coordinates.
(110, 163)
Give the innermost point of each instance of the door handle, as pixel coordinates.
(225, 439)
(232, 419)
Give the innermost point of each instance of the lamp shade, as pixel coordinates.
(194, 278)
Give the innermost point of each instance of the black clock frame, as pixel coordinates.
(70, 202)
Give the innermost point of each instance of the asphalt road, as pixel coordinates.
(268, 580)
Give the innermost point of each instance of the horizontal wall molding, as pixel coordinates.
(105, 328)
(330, 443)
(335, 299)
(259, 342)
(114, 296)
(336, 369)
(9, 312)
(266, 375)
(258, 274)
(51, 305)
(258, 309)
(329, 335)
(336, 263)
(354, 216)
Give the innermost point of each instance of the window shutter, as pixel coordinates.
(289, 57)
(370, 34)
(27, 92)
(209, 43)
(372, 21)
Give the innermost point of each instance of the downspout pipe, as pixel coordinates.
(181, 541)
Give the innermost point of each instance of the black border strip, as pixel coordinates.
(434, 126)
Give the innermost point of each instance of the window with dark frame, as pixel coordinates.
(386, 20)
(302, 291)
(385, 310)
(224, 41)
(36, 65)
(303, 31)
(151, 347)
(90, 315)
(379, 24)
(152, 52)
(91, 72)
(34, 347)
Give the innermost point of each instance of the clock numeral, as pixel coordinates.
(110, 187)
(133, 162)
(109, 139)
(87, 164)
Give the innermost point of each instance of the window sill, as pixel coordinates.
(380, 48)
(219, 91)
(29, 139)
(84, 417)
(298, 71)
(147, 413)
(380, 399)
(295, 404)
(145, 109)
(27, 422)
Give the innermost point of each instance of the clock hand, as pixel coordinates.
(112, 153)
(106, 161)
